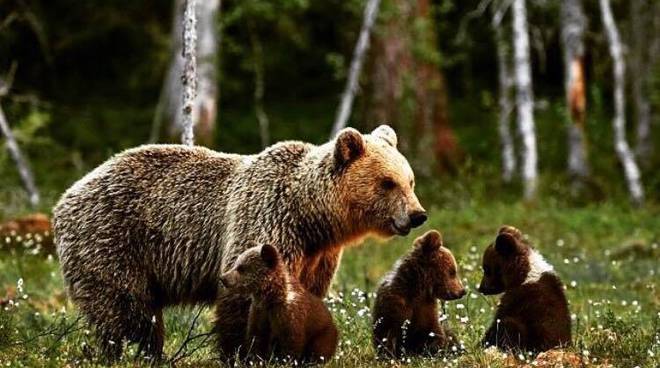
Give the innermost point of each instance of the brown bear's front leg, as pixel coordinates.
(316, 275)
(231, 320)
(258, 338)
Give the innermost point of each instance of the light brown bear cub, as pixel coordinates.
(406, 308)
(285, 320)
(533, 312)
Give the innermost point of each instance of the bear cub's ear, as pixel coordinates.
(270, 255)
(430, 242)
(387, 134)
(349, 145)
(507, 244)
(511, 230)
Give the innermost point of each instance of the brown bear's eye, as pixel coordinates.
(388, 184)
(240, 269)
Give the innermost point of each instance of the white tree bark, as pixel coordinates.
(524, 98)
(630, 168)
(22, 165)
(573, 27)
(344, 111)
(189, 76)
(204, 109)
(505, 81)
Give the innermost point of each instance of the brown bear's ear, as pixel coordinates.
(507, 244)
(270, 255)
(386, 133)
(430, 242)
(349, 145)
(511, 230)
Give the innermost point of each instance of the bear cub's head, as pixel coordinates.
(375, 182)
(509, 262)
(438, 267)
(254, 268)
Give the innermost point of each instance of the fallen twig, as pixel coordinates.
(183, 352)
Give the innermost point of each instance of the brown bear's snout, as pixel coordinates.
(486, 289)
(417, 218)
(456, 294)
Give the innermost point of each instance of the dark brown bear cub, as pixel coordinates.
(285, 320)
(406, 308)
(533, 312)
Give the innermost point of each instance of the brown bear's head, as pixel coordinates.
(438, 267)
(509, 262)
(376, 182)
(254, 269)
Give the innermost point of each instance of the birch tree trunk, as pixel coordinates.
(505, 83)
(344, 111)
(21, 164)
(204, 108)
(189, 76)
(630, 168)
(640, 73)
(573, 27)
(524, 98)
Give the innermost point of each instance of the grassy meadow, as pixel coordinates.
(606, 253)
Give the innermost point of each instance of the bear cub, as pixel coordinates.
(285, 320)
(406, 308)
(533, 312)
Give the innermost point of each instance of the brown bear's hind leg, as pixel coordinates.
(322, 348)
(510, 334)
(119, 315)
(152, 337)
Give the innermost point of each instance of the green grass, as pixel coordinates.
(612, 288)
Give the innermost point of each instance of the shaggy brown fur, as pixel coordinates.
(533, 312)
(157, 225)
(285, 321)
(406, 307)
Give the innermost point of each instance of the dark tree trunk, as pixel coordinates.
(401, 78)
(573, 27)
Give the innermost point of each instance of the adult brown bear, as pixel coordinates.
(157, 225)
